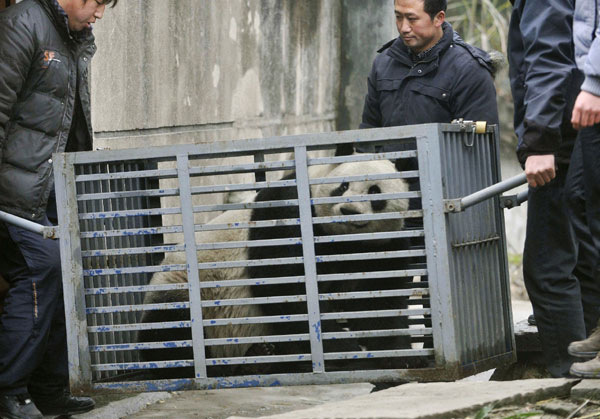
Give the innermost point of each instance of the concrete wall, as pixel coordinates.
(365, 27)
(189, 71)
(185, 71)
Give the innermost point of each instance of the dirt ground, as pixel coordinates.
(546, 409)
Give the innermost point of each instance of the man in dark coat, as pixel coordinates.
(45, 50)
(558, 270)
(428, 74)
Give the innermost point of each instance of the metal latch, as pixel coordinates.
(475, 127)
(512, 201)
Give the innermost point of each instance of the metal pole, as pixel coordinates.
(47, 232)
(522, 196)
(493, 190)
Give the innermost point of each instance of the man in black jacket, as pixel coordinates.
(428, 74)
(45, 50)
(558, 271)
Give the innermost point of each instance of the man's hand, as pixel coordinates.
(540, 169)
(586, 111)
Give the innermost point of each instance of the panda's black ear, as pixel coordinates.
(399, 164)
(406, 164)
(345, 149)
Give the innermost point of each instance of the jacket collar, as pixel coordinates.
(398, 51)
(480, 55)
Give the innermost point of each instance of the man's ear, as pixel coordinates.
(345, 149)
(439, 18)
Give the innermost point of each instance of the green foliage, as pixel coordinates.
(525, 415)
(481, 22)
(515, 259)
(484, 411)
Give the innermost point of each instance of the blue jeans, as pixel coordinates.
(33, 351)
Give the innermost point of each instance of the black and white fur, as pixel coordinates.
(270, 252)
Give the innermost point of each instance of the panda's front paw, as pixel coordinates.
(261, 349)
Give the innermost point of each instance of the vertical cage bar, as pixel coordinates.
(80, 369)
(503, 262)
(187, 215)
(310, 265)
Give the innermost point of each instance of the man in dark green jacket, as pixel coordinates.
(45, 50)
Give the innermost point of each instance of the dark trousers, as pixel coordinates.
(554, 266)
(33, 352)
(577, 203)
(588, 142)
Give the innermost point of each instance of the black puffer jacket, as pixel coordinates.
(41, 67)
(543, 76)
(454, 81)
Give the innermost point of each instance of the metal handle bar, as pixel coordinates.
(460, 204)
(522, 196)
(47, 232)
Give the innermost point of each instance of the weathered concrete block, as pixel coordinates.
(437, 400)
(587, 389)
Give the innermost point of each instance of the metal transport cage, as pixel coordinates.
(273, 262)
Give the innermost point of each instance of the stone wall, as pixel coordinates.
(188, 71)
(365, 27)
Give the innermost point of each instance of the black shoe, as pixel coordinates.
(18, 407)
(63, 403)
(531, 320)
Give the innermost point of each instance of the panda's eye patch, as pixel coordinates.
(374, 190)
(339, 191)
(376, 205)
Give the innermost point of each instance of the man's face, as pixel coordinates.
(418, 31)
(82, 13)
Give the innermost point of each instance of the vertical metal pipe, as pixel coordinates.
(80, 376)
(310, 266)
(187, 215)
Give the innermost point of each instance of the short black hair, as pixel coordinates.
(106, 2)
(433, 7)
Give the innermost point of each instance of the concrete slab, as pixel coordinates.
(250, 402)
(587, 389)
(127, 406)
(436, 400)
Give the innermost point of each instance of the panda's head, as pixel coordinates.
(365, 207)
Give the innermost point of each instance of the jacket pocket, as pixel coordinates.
(28, 149)
(437, 93)
(53, 68)
(388, 84)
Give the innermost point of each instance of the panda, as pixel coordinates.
(329, 248)
(261, 272)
